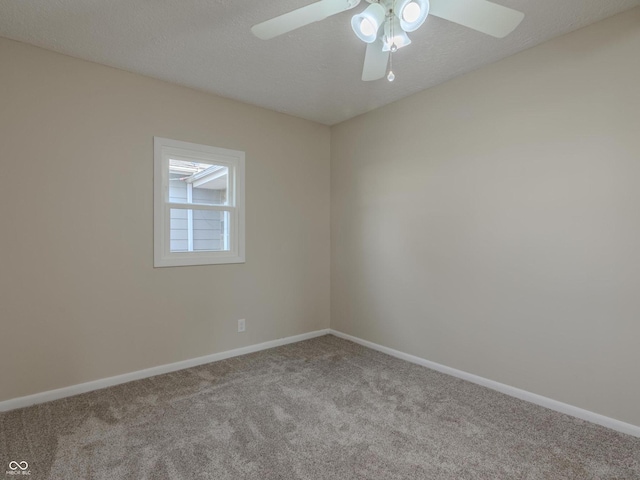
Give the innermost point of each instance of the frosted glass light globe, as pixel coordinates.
(411, 12)
(366, 27)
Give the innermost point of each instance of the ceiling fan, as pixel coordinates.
(384, 24)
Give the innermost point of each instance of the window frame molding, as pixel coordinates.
(235, 161)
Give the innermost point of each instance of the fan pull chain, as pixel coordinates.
(392, 49)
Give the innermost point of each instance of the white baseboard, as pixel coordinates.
(549, 403)
(50, 395)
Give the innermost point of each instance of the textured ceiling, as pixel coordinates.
(313, 72)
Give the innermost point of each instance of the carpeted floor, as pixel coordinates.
(321, 409)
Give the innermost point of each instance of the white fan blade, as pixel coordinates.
(480, 15)
(375, 62)
(301, 17)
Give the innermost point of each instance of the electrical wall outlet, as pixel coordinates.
(241, 326)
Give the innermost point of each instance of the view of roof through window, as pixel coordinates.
(201, 175)
(181, 166)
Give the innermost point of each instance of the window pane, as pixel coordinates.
(195, 182)
(198, 230)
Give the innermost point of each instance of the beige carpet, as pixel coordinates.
(320, 409)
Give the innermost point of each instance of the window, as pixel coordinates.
(198, 204)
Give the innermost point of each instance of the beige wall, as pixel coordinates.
(79, 297)
(492, 224)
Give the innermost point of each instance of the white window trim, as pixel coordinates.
(163, 257)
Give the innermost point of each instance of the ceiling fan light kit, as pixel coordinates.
(384, 24)
(366, 24)
(411, 13)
